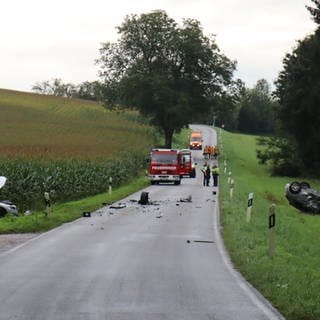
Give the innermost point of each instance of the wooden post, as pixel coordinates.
(272, 223)
(249, 208)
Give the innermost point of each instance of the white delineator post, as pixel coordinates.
(272, 224)
(110, 186)
(229, 177)
(249, 208)
(231, 188)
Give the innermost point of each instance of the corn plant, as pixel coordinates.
(64, 179)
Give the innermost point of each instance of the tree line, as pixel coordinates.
(56, 87)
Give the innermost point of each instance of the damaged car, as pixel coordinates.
(301, 196)
(6, 206)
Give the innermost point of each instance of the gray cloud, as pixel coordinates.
(61, 39)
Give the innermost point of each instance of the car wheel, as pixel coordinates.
(305, 185)
(3, 212)
(295, 187)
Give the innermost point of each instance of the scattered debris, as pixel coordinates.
(86, 214)
(204, 241)
(118, 206)
(188, 199)
(188, 241)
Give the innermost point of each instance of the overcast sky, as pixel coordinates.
(41, 39)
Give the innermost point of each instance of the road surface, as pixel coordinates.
(160, 261)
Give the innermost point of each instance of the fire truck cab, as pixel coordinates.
(187, 167)
(164, 166)
(170, 165)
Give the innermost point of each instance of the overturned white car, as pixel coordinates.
(6, 206)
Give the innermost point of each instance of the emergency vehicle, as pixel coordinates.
(170, 165)
(187, 167)
(196, 140)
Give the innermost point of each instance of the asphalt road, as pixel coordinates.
(160, 261)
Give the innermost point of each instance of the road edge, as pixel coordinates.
(255, 296)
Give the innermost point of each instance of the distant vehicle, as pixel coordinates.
(301, 196)
(196, 140)
(6, 206)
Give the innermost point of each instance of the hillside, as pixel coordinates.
(33, 125)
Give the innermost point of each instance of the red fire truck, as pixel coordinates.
(187, 167)
(170, 165)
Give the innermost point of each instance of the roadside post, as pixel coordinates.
(231, 188)
(229, 177)
(47, 202)
(225, 166)
(249, 208)
(272, 223)
(110, 186)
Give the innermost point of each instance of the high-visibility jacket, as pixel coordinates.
(215, 171)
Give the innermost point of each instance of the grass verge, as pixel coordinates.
(291, 278)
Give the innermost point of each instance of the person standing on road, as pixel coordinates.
(215, 175)
(208, 175)
(205, 169)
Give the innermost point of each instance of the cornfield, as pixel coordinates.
(66, 147)
(65, 180)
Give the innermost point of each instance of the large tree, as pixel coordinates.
(167, 72)
(298, 88)
(257, 109)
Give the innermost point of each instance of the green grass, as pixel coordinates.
(291, 279)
